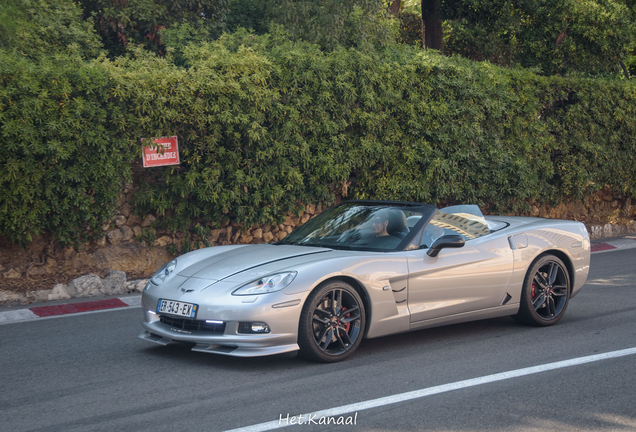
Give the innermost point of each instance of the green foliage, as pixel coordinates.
(550, 36)
(630, 61)
(369, 29)
(450, 130)
(62, 165)
(38, 28)
(597, 36)
(249, 14)
(218, 108)
(9, 13)
(412, 6)
(330, 23)
(139, 21)
(410, 28)
(487, 30)
(267, 124)
(630, 64)
(176, 38)
(595, 126)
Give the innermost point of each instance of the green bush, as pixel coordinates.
(595, 129)
(39, 28)
(139, 22)
(61, 166)
(218, 108)
(272, 123)
(550, 36)
(266, 125)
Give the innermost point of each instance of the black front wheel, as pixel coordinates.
(546, 292)
(332, 323)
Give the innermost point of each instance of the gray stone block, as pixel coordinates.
(59, 292)
(115, 283)
(89, 285)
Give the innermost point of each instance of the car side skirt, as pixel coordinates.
(499, 311)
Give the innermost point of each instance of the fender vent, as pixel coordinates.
(506, 300)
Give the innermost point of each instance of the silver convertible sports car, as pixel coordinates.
(365, 269)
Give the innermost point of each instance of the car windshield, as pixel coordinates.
(362, 226)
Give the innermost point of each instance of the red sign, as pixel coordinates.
(164, 151)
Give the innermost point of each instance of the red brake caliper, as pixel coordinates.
(347, 325)
(533, 292)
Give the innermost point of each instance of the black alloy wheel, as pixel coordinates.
(546, 292)
(332, 323)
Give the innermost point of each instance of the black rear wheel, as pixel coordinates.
(332, 323)
(546, 292)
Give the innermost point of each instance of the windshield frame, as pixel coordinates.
(427, 211)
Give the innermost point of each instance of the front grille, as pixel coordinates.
(193, 325)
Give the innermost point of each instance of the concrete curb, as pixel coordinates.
(39, 312)
(606, 245)
(83, 287)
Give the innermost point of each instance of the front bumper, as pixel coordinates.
(225, 339)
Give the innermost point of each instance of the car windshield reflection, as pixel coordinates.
(361, 226)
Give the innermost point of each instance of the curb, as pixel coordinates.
(607, 245)
(38, 312)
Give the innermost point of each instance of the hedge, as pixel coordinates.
(266, 124)
(61, 164)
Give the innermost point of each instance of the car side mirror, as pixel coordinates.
(447, 241)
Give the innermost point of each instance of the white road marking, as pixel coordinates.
(403, 397)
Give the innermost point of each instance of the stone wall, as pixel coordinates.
(90, 285)
(233, 232)
(126, 248)
(604, 214)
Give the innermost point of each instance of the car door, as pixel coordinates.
(473, 277)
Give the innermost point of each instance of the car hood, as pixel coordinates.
(235, 261)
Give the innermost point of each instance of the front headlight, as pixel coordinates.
(164, 272)
(267, 284)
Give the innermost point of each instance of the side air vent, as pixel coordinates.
(507, 299)
(398, 289)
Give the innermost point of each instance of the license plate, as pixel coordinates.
(172, 307)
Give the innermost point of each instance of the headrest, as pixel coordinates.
(397, 222)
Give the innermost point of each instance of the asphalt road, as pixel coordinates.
(91, 373)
